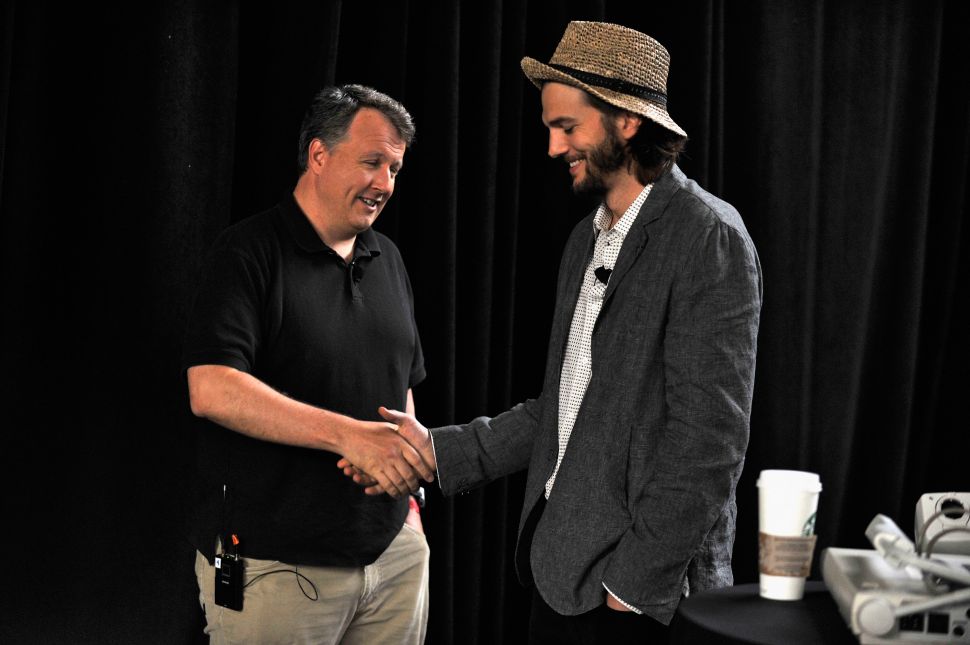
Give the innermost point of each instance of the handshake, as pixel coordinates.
(390, 457)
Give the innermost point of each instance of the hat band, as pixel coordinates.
(613, 84)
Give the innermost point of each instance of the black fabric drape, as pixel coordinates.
(130, 136)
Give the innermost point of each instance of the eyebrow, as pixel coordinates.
(561, 122)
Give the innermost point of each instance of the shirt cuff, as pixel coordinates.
(434, 453)
(622, 602)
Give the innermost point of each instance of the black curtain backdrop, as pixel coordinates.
(131, 135)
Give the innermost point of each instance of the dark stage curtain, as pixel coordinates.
(130, 136)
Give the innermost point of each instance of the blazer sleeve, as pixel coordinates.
(708, 363)
(476, 453)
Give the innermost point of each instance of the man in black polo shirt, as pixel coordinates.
(302, 327)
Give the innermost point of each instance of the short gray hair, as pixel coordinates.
(333, 108)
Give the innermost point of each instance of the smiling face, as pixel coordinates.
(592, 146)
(352, 180)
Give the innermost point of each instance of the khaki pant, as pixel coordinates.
(384, 602)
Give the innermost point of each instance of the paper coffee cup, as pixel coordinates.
(787, 502)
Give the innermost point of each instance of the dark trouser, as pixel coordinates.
(599, 625)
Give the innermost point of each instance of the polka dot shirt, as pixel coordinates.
(577, 364)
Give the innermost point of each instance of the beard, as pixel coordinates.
(607, 157)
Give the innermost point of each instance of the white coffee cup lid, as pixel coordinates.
(797, 479)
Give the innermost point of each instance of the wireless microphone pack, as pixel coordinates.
(229, 578)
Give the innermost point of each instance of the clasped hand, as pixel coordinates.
(392, 468)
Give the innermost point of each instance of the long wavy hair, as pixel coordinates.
(652, 151)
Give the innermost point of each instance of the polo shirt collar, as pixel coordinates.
(305, 236)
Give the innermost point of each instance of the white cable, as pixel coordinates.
(886, 545)
(936, 602)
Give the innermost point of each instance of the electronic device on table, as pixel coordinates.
(901, 592)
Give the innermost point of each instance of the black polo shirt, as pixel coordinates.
(276, 302)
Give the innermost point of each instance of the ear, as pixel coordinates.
(628, 124)
(317, 156)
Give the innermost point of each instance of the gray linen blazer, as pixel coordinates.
(644, 498)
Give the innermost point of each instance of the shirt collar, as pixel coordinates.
(305, 236)
(601, 220)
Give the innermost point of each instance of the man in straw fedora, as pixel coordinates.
(635, 445)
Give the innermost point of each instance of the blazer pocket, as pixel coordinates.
(640, 456)
(613, 455)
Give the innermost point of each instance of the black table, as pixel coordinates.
(739, 615)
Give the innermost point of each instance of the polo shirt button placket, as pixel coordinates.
(355, 292)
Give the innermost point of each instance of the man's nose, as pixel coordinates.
(557, 144)
(384, 180)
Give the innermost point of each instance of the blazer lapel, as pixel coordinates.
(636, 240)
(575, 267)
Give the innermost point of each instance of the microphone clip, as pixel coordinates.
(603, 274)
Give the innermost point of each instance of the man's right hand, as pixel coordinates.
(383, 453)
(416, 435)
(239, 401)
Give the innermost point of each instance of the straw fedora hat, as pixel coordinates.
(621, 66)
